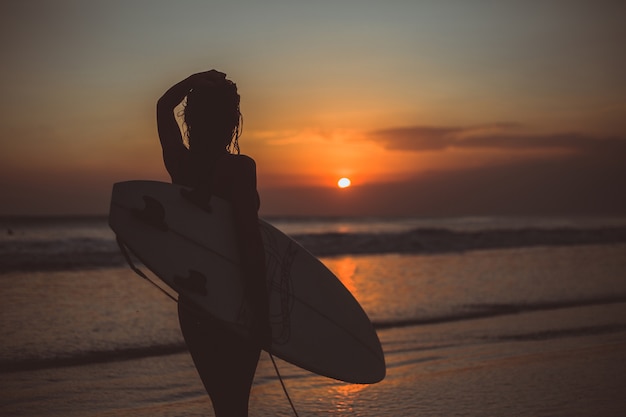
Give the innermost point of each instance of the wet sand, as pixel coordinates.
(448, 369)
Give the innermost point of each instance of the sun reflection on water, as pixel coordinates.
(344, 397)
(345, 269)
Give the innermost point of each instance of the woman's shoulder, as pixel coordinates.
(237, 169)
(240, 162)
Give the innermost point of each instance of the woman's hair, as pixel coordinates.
(212, 118)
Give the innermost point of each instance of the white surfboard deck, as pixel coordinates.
(316, 323)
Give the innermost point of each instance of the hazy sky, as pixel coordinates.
(430, 107)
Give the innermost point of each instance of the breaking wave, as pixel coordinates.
(101, 252)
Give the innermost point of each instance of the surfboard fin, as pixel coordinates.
(153, 213)
(195, 282)
(197, 198)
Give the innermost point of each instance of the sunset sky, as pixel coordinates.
(430, 107)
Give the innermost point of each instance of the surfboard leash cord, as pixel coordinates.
(139, 272)
(282, 383)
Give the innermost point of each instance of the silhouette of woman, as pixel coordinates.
(212, 165)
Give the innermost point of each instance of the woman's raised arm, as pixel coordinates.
(169, 132)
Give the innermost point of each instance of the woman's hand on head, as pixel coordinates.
(207, 78)
(175, 94)
(214, 75)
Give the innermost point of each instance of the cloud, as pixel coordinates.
(417, 138)
(308, 135)
(500, 136)
(429, 138)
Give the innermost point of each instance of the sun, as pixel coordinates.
(344, 182)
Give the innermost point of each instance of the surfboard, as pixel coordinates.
(316, 322)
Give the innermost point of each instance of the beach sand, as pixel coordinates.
(447, 369)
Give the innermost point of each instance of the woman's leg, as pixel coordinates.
(226, 362)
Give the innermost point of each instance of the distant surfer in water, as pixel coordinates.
(211, 165)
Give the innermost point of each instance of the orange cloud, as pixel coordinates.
(500, 136)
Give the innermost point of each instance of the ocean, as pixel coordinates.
(478, 316)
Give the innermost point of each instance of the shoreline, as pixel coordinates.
(433, 370)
